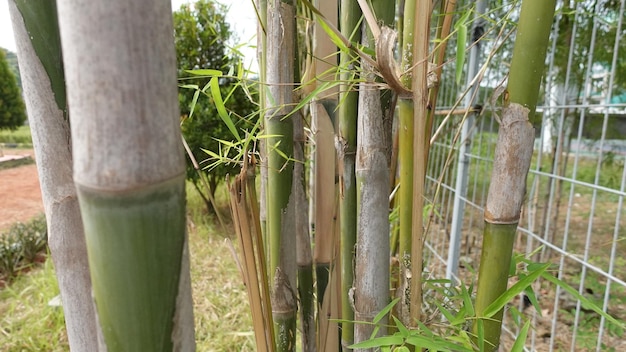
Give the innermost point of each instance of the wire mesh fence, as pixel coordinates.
(574, 215)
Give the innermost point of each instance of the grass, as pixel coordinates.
(27, 322)
(20, 137)
(221, 309)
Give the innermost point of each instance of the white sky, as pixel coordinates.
(241, 17)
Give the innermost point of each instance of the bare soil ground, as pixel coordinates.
(20, 195)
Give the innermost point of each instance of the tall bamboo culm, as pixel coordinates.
(323, 108)
(129, 170)
(280, 56)
(35, 26)
(421, 28)
(350, 13)
(373, 153)
(514, 150)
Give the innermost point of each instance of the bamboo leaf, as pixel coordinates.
(192, 108)
(189, 86)
(530, 293)
(481, 334)
(380, 341)
(460, 50)
(449, 317)
(402, 330)
(467, 301)
(401, 349)
(205, 72)
(221, 109)
(516, 289)
(433, 344)
(518, 346)
(583, 300)
(385, 311)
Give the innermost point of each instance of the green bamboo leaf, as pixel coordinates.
(314, 94)
(432, 344)
(424, 330)
(334, 37)
(401, 349)
(205, 72)
(583, 300)
(402, 330)
(518, 346)
(480, 324)
(221, 109)
(449, 317)
(385, 311)
(530, 293)
(193, 102)
(461, 41)
(467, 301)
(189, 86)
(463, 339)
(516, 289)
(380, 341)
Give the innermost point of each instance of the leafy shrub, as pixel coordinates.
(20, 246)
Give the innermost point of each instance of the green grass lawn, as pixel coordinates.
(20, 136)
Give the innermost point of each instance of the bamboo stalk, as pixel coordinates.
(405, 156)
(35, 26)
(281, 205)
(512, 159)
(421, 27)
(346, 153)
(129, 170)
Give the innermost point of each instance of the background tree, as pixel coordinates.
(201, 36)
(11, 58)
(12, 110)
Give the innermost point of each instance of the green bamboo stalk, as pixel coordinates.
(347, 136)
(261, 8)
(405, 160)
(280, 51)
(421, 28)
(512, 158)
(129, 170)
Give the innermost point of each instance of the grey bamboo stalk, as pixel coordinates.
(421, 27)
(514, 150)
(372, 176)
(372, 245)
(281, 30)
(51, 139)
(129, 170)
(346, 152)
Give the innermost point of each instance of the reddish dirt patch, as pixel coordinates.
(20, 195)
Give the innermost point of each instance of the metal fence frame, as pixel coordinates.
(584, 251)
